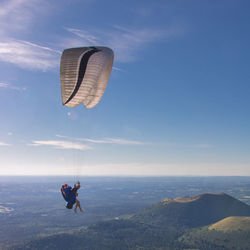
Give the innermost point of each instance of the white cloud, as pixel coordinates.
(118, 69)
(16, 19)
(125, 42)
(119, 141)
(18, 15)
(28, 55)
(60, 144)
(4, 144)
(85, 35)
(12, 87)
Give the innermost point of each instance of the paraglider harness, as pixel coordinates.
(69, 195)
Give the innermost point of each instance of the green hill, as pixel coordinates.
(195, 211)
(232, 223)
(229, 233)
(169, 224)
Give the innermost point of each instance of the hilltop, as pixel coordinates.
(232, 223)
(195, 211)
(229, 233)
(178, 223)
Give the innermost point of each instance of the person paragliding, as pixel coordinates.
(84, 75)
(69, 194)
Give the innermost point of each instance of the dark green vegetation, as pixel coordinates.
(181, 223)
(193, 212)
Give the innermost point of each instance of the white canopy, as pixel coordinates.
(84, 74)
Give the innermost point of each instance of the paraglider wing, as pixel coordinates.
(84, 74)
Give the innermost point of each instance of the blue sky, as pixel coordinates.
(177, 102)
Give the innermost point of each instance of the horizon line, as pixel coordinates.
(120, 176)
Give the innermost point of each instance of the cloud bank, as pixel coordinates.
(12, 87)
(126, 42)
(4, 144)
(60, 145)
(28, 55)
(117, 141)
(17, 18)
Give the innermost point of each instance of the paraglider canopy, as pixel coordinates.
(84, 75)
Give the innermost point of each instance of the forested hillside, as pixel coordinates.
(179, 223)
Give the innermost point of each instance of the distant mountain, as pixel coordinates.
(195, 211)
(181, 223)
